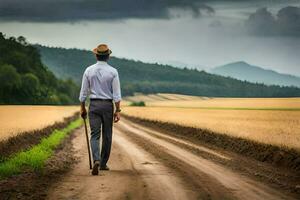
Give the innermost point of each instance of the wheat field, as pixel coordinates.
(177, 100)
(160, 97)
(17, 119)
(271, 121)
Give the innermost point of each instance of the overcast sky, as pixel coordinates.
(196, 33)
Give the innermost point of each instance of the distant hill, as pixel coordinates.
(25, 80)
(147, 78)
(244, 71)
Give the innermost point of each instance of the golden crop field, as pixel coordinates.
(272, 121)
(160, 97)
(234, 103)
(175, 100)
(17, 119)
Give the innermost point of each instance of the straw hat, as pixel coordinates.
(102, 49)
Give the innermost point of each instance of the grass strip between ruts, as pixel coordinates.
(35, 157)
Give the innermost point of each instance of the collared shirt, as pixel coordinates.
(100, 81)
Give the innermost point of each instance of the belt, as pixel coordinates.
(96, 99)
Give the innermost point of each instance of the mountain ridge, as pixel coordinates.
(137, 76)
(243, 71)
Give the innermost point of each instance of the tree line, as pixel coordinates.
(148, 78)
(26, 80)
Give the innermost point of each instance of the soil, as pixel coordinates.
(34, 185)
(26, 140)
(282, 157)
(148, 164)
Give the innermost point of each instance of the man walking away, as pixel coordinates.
(101, 83)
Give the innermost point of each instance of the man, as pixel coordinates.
(101, 82)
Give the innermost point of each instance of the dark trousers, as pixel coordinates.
(101, 121)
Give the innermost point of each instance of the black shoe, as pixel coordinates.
(95, 170)
(104, 167)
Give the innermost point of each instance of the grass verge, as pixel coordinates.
(35, 157)
(26, 140)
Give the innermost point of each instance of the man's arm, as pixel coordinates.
(118, 106)
(83, 95)
(117, 115)
(117, 97)
(83, 111)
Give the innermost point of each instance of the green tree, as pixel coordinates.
(30, 88)
(25, 79)
(10, 82)
(148, 78)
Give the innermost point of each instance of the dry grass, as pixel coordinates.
(232, 116)
(160, 97)
(17, 119)
(177, 100)
(245, 103)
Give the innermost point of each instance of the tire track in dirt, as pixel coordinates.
(145, 164)
(241, 186)
(134, 174)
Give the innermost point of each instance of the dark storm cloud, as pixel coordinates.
(285, 23)
(72, 10)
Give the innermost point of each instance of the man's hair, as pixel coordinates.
(102, 57)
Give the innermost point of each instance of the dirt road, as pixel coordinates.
(146, 164)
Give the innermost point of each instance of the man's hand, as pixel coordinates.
(83, 113)
(117, 117)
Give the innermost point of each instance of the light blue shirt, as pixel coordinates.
(100, 81)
